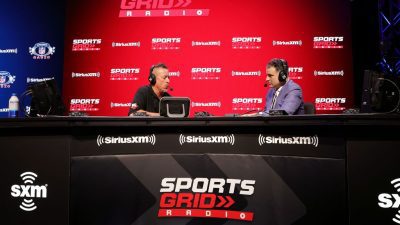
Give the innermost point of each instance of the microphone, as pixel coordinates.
(171, 88)
(265, 84)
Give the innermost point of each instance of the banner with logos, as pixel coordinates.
(207, 189)
(311, 145)
(216, 52)
(208, 178)
(31, 46)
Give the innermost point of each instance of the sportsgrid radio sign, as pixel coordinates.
(204, 198)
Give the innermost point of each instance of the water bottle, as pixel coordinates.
(13, 106)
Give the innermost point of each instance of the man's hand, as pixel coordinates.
(152, 114)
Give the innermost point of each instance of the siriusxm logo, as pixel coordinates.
(4, 110)
(287, 43)
(125, 44)
(307, 140)
(206, 104)
(148, 139)
(329, 73)
(120, 105)
(28, 191)
(227, 139)
(77, 75)
(206, 43)
(35, 80)
(391, 201)
(9, 51)
(246, 73)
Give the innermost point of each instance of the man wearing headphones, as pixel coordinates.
(147, 98)
(284, 94)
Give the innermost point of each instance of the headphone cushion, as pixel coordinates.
(282, 76)
(152, 79)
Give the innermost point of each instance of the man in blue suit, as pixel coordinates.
(284, 94)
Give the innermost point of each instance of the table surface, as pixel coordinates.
(302, 120)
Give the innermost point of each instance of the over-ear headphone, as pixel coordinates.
(152, 77)
(283, 71)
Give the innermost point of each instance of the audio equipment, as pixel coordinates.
(152, 77)
(283, 71)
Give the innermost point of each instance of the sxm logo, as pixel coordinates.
(391, 201)
(28, 191)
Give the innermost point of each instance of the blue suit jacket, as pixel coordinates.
(289, 99)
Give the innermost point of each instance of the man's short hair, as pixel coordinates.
(282, 67)
(279, 64)
(152, 76)
(159, 65)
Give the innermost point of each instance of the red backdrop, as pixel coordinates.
(217, 59)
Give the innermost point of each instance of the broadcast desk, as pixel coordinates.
(322, 169)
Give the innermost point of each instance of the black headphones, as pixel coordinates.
(152, 77)
(283, 71)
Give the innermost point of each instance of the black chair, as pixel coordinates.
(309, 108)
